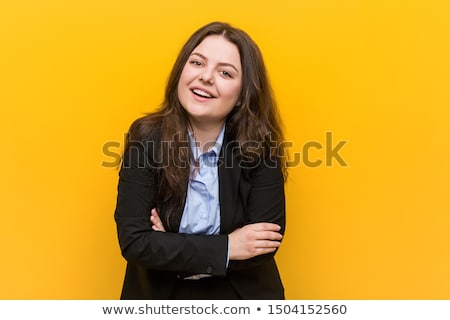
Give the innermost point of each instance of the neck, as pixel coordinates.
(206, 134)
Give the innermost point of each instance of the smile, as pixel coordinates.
(202, 93)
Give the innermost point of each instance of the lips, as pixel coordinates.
(202, 93)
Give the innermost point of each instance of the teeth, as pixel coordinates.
(202, 93)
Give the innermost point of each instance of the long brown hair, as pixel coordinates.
(254, 120)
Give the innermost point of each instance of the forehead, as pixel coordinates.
(218, 49)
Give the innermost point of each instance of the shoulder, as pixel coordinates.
(143, 140)
(144, 129)
(252, 166)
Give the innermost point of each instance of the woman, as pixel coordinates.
(200, 209)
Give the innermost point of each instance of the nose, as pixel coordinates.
(207, 75)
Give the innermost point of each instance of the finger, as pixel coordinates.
(265, 226)
(154, 213)
(268, 235)
(156, 221)
(267, 244)
(158, 227)
(260, 251)
(155, 216)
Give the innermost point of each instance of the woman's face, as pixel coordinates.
(211, 81)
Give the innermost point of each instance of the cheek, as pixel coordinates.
(183, 81)
(182, 77)
(187, 74)
(234, 91)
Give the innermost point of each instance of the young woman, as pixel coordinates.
(200, 208)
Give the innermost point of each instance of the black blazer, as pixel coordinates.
(154, 259)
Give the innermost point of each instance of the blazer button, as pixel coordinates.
(209, 270)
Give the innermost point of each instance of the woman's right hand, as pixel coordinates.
(156, 221)
(254, 240)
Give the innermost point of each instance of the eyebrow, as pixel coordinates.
(220, 63)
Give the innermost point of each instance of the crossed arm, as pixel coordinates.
(247, 242)
(144, 241)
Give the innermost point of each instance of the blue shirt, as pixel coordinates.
(201, 213)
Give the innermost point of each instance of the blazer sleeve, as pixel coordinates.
(265, 202)
(266, 199)
(141, 245)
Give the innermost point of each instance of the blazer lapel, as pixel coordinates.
(229, 176)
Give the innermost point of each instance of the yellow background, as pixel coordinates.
(74, 74)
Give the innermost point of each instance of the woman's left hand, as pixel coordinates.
(156, 221)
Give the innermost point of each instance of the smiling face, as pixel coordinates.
(211, 81)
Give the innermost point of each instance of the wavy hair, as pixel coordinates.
(255, 120)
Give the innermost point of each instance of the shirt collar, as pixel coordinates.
(214, 149)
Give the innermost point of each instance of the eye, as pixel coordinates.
(226, 74)
(195, 62)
